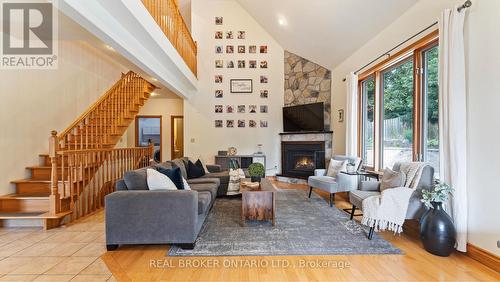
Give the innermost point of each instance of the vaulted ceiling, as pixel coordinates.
(325, 31)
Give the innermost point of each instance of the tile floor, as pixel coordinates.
(68, 253)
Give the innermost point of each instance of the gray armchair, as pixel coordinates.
(341, 183)
(372, 188)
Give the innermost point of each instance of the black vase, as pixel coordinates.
(437, 231)
(255, 178)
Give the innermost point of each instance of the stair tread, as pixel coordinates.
(29, 180)
(32, 215)
(32, 196)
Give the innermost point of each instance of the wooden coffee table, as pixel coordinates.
(258, 204)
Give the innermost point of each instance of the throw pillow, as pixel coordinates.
(185, 184)
(174, 174)
(180, 164)
(159, 181)
(335, 167)
(392, 179)
(195, 170)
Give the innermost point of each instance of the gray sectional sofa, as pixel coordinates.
(136, 215)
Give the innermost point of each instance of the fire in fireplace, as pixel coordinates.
(300, 158)
(305, 162)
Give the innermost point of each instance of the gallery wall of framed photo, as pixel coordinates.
(240, 84)
(233, 54)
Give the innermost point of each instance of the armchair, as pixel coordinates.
(372, 188)
(340, 183)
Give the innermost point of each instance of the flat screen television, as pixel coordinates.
(308, 117)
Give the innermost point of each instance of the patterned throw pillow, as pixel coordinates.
(392, 179)
(335, 167)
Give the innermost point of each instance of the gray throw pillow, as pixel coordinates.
(180, 164)
(136, 179)
(392, 179)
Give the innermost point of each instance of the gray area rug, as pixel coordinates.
(303, 227)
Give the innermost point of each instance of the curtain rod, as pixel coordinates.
(465, 5)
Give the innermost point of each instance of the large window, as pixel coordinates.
(368, 121)
(399, 108)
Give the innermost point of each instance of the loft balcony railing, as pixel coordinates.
(168, 17)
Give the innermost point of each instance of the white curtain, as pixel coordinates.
(453, 117)
(351, 115)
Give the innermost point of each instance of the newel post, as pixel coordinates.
(151, 153)
(54, 199)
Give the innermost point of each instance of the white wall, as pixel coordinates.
(166, 107)
(201, 137)
(34, 102)
(483, 59)
(482, 45)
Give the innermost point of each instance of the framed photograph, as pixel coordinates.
(252, 123)
(252, 64)
(219, 109)
(218, 123)
(263, 64)
(241, 64)
(219, 93)
(252, 49)
(264, 94)
(241, 109)
(263, 79)
(263, 123)
(218, 49)
(263, 49)
(241, 49)
(219, 64)
(230, 64)
(241, 123)
(218, 20)
(218, 35)
(218, 78)
(229, 34)
(241, 86)
(263, 109)
(252, 109)
(229, 49)
(229, 109)
(230, 123)
(241, 34)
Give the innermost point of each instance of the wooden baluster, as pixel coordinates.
(54, 198)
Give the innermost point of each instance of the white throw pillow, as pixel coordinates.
(159, 181)
(335, 167)
(185, 184)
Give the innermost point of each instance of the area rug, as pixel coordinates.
(303, 227)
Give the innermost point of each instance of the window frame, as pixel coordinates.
(415, 52)
(361, 119)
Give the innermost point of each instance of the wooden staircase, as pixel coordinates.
(82, 164)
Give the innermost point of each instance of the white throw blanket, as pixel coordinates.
(387, 211)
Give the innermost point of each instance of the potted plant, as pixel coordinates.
(351, 166)
(436, 226)
(256, 171)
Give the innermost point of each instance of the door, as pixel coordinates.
(148, 129)
(177, 136)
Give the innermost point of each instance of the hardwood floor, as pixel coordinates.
(134, 263)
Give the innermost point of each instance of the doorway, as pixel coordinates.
(177, 136)
(148, 129)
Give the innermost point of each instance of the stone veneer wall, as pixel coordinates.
(307, 82)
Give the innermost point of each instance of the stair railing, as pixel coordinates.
(95, 127)
(167, 15)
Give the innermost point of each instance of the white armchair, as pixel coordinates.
(341, 183)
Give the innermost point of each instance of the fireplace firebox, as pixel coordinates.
(299, 159)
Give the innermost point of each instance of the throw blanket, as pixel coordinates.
(235, 175)
(387, 211)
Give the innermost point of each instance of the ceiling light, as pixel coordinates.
(109, 47)
(154, 79)
(154, 94)
(282, 21)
